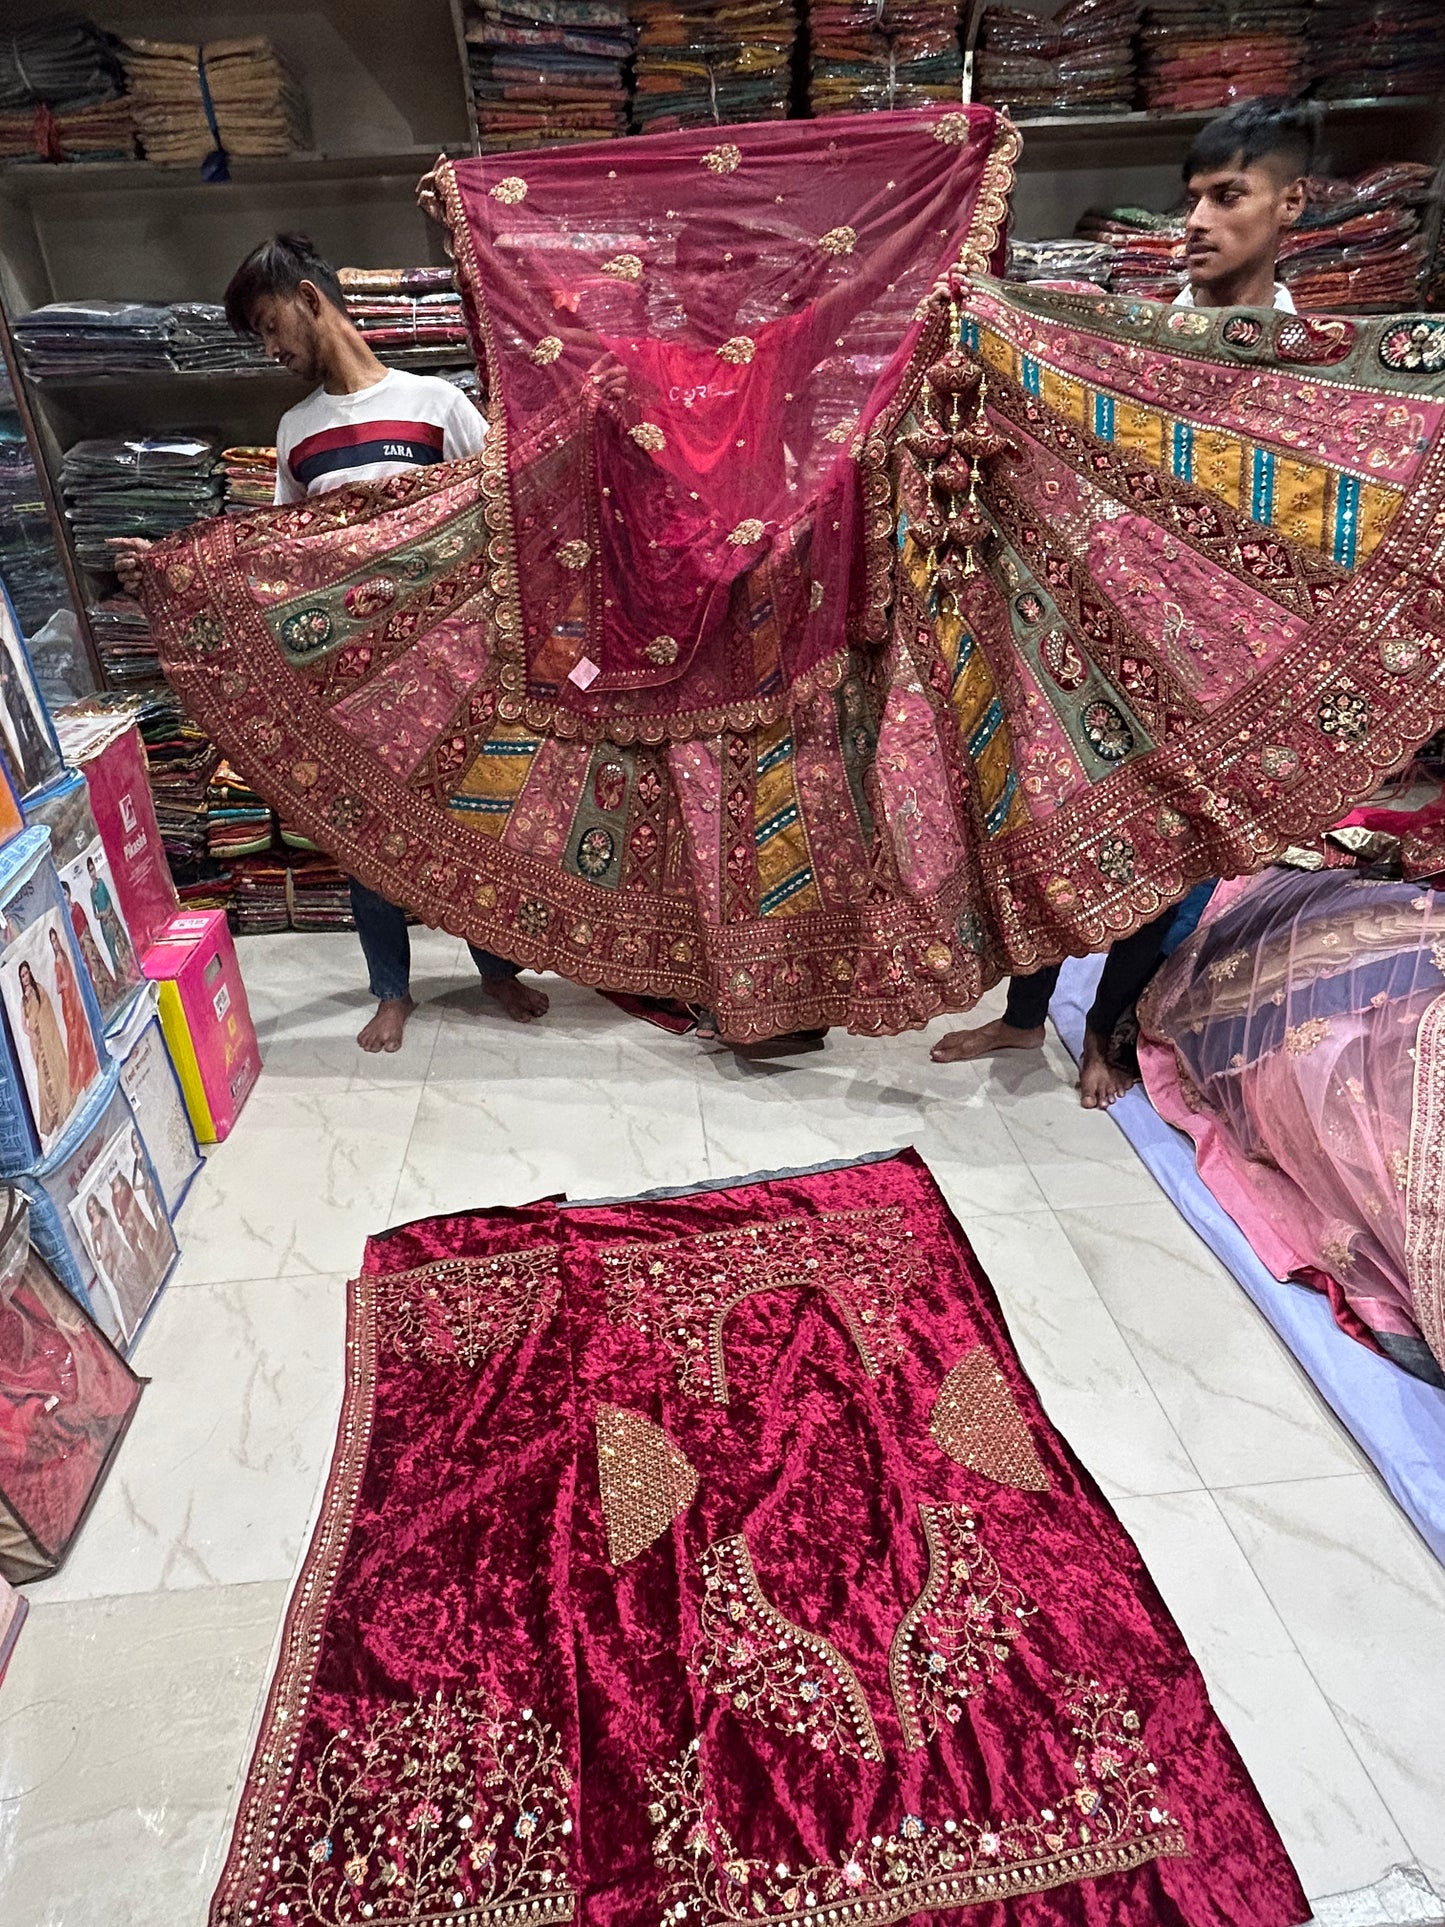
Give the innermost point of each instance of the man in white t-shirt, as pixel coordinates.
(361, 422)
(1244, 188)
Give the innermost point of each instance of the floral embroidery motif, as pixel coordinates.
(510, 191)
(649, 436)
(726, 159)
(547, 350)
(575, 555)
(746, 533)
(678, 1292)
(204, 634)
(952, 130)
(1242, 331)
(461, 1310)
(646, 1481)
(739, 350)
(623, 267)
(957, 1633)
(766, 1665)
(1115, 859)
(1302, 1038)
(977, 1422)
(1108, 1822)
(1344, 713)
(307, 630)
(595, 850)
(1108, 735)
(1415, 347)
(662, 650)
(454, 1807)
(839, 240)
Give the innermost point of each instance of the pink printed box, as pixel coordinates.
(205, 1018)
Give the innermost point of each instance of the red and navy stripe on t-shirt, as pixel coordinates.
(359, 444)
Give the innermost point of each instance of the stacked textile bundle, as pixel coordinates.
(67, 338)
(256, 906)
(29, 565)
(179, 760)
(548, 70)
(123, 640)
(148, 486)
(400, 308)
(700, 63)
(1200, 54)
(883, 53)
(1360, 49)
(1148, 249)
(1081, 60)
(256, 105)
(319, 896)
(1360, 246)
(238, 821)
(61, 95)
(250, 478)
(1081, 263)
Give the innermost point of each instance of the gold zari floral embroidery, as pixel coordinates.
(746, 533)
(839, 240)
(623, 267)
(726, 159)
(510, 191)
(575, 555)
(547, 350)
(662, 650)
(739, 350)
(461, 1310)
(977, 1422)
(646, 1481)
(649, 436)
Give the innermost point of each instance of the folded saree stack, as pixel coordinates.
(147, 485)
(1366, 49)
(123, 641)
(256, 905)
(700, 63)
(1068, 262)
(66, 338)
(29, 562)
(250, 478)
(402, 308)
(62, 94)
(1199, 54)
(548, 70)
(238, 821)
(1079, 60)
(1148, 249)
(318, 895)
(235, 97)
(882, 53)
(1361, 245)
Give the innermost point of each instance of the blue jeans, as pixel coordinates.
(386, 946)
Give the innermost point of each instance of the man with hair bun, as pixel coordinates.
(1244, 188)
(361, 422)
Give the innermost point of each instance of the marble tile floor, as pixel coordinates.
(125, 1721)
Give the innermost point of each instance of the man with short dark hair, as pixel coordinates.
(361, 422)
(1244, 187)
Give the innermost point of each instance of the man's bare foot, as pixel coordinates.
(520, 1002)
(961, 1046)
(1100, 1082)
(384, 1031)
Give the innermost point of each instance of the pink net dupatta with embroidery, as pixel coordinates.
(709, 1560)
(811, 656)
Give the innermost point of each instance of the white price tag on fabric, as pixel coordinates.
(584, 673)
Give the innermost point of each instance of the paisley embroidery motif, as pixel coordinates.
(646, 1481)
(779, 1672)
(678, 1291)
(957, 1633)
(977, 1422)
(1109, 1821)
(454, 1807)
(461, 1310)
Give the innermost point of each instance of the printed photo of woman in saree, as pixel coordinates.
(131, 1249)
(48, 1024)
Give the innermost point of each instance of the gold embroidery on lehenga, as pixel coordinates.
(662, 650)
(739, 350)
(839, 241)
(646, 1481)
(510, 191)
(678, 1291)
(1109, 1821)
(1300, 1039)
(649, 436)
(455, 1807)
(547, 350)
(575, 555)
(726, 159)
(976, 1421)
(461, 1310)
(624, 267)
(764, 1664)
(957, 1633)
(746, 533)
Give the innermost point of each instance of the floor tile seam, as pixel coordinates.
(1021, 1149)
(46, 1606)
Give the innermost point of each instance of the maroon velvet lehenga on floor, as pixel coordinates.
(709, 1560)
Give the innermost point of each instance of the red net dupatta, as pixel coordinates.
(695, 347)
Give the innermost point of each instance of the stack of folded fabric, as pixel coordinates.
(185, 96)
(397, 309)
(701, 63)
(29, 564)
(179, 760)
(883, 53)
(257, 905)
(123, 640)
(548, 70)
(95, 338)
(1200, 54)
(1361, 49)
(1148, 249)
(146, 486)
(319, 896)
(250, 478)
(61, 94)
(1361, 245)
(1064, 263)
(203, 341)
(1079, 61)
(238, 821)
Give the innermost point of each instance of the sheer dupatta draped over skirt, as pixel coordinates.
(808, 645)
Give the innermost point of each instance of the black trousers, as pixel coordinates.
(1130, 964)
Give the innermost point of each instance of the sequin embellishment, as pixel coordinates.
(646, 1481)
(461, 1310)
(726, 159)
(1109, 1821)
(649, 436)
(739, 350)
(510, 191)
(976, 1421)
(957, 1633)
(764, 1664)
(623, 267)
